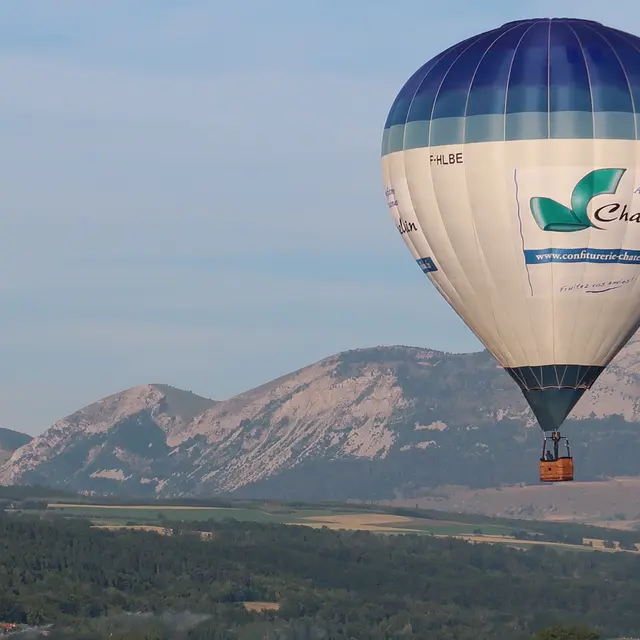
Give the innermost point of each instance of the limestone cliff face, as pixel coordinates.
(368, 405)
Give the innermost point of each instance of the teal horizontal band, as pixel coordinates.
(532, 125)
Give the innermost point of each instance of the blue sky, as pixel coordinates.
(190, 191)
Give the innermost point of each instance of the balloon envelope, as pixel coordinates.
(511, 166)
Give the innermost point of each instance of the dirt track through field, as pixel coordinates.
(597, 545)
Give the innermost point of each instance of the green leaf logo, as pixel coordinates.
(553, 216)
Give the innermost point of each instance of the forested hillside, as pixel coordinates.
(327, 584)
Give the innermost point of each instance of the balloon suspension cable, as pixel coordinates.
(555, 437)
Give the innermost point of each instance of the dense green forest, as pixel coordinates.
(92, 583)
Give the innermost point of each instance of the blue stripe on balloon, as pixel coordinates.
(526, 80)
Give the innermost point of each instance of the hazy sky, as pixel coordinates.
(190, 190)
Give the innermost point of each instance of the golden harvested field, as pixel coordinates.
(371, 527)
(261, 606)
(390, 523)
(361, 522)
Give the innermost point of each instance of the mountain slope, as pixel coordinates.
(11, 440)
(369, 423)
(125, 429)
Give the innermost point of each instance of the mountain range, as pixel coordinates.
(381, 423)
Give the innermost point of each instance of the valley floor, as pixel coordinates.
(613, 503)
(159, 519)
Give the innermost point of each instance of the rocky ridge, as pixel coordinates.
(384, 411)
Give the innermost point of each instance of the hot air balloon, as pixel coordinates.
(511, 167)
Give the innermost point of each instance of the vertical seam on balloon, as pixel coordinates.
(432, 251)
(584, 266)
(506, 351)
(446, 73)
(433, 62)
(548, 138)
(624, 71)
(519, 214)
(407, 239)
(471, 42)
(631, 41)
(463, 307)
(549, 82)
(626, 77)
(553, 236)
(419, 76)
(515, 178)
(506, 92)
(473, 76)
(586, 68)
(591, 237)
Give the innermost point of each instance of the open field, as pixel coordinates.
(613, 503)
(113, 515)
(396, 524)
(150, 513)
(159, 519)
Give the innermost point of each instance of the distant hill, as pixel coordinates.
(11, 440)
(371, 424)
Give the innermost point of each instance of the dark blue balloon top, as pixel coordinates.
(528, 79)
